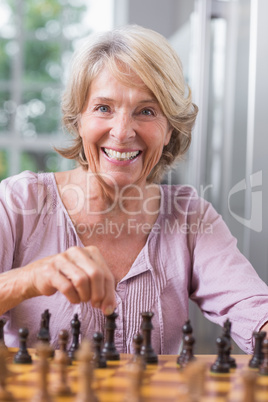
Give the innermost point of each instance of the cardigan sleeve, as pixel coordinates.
(224, 283)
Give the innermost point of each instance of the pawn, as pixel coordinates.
(194, 378)
(63, 340)
(264, 366)
(61, 388)
(220, 365)
(249, 380)
(75, 324)
(42, 392)
(5, 395)
(135, 372)
(257, 357)
(98, 359)
(86, 373)
(137, 344)
(22, 356)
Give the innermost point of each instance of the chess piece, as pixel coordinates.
(86, 373)
(135, 372)
(63, 340)
(194, 377)
(147, 350)
(98, 359)
(220, 365)
(75, 324)
(186, 330)
(137, 344)
(23, 356)
(249, 380)
(61, 387)
(44, 334)
(109, 350)
(257, 357)
(2, 338)
(264, 366)
(227, 336)
(44, 353)
(5, 395)
(188, 356)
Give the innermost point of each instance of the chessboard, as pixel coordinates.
(164, 381)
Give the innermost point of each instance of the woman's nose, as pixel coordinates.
(122, 128)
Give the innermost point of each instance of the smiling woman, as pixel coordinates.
(135, 63)
(106, 235)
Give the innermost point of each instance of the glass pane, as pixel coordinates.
(39, 112)
(7, 20)
(37, 13)
(42, 61)
(4, 168)
(7, 49)
(7, 108)
(40, 161)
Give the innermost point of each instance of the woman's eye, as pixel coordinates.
(103, 109)
(147, 112)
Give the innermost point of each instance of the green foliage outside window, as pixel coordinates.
(35, 44)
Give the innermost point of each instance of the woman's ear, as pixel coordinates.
(168, 135)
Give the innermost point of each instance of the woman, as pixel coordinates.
(106, 235)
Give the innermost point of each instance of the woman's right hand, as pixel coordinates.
(80, 274)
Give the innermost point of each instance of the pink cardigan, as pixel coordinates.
(189, 253)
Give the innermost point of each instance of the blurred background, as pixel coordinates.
(224, 50)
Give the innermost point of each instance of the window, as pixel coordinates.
(37, 38)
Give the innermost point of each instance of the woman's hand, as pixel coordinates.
(80, 274)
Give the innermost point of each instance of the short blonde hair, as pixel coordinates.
(149, 55)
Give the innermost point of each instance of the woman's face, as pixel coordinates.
(123, 130)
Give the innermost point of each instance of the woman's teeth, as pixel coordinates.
(120, 156)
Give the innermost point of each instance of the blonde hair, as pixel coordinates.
(150, 56)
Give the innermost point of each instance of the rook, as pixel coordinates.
(109, 350)
(147, 350)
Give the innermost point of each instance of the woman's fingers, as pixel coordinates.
(81, 274)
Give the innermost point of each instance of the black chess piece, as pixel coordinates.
(220, 365)
(264, 366)
(75, 324)
(186, 330)
(2, 337)
(44, 334)
(188, 357)
(137, 343)
(109, 350)
(258, 356)
(227, 336)
(23, 356)
(147, 351)
(98, 358)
